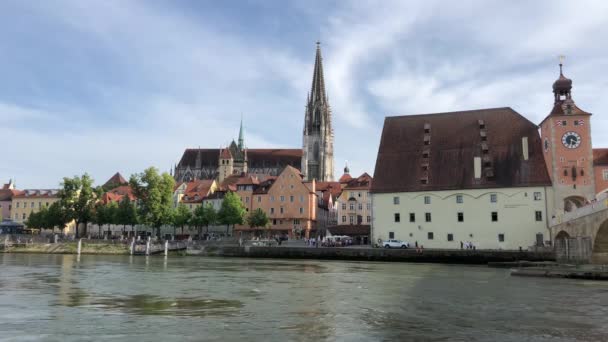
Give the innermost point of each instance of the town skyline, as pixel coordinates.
(126, 85)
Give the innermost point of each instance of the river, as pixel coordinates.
(122, 298)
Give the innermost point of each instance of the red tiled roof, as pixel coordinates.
(7, 195)
(197, 190)
(116, 180)
(600, 156)
(37, 193)
(454, 139)
(225, 154)
(360, 183)
(345, 178)
(116, 194)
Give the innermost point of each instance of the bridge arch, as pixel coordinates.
(562, 235)
(600, 245)
(573, 202)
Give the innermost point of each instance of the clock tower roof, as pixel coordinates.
(564, 104)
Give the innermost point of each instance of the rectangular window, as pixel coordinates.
(564, 123)
(32, 205)
(282, 198)
(247, 199)
(412, 217)
(344, 206)
(501, 237)
(450, 237)
(427, 217)
(259, 199)
(427, 199)
(271, 211)
(274, 221)
(395, 200)
(538, 196)
(360, 206)
(291, 199)
(271, 198)
(352, 206)
(575, 122)
(23, 216)
(391, 235)
(17, 206)
(397, 217)
(343, 219)
(458, 198)
(493, 198)
(369, 206)
(605, 174)
(538, 215)
(352, 219)
(460, 217)
(494, 216)
(301, 210)
(39, 204)
(430, 235)
(301, 198)
(369, 219)
(282, 210)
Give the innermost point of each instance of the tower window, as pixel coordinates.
(538, 215)
(412, 217)
(501, 237)
(430, 235)
(575, 122)
(460, 217)
(494, 216)
(564, 123)
(397, 217)
(427, 217)
(450, 237)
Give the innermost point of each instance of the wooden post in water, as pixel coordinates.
(166, 247)
(132, 250)
(79, 246)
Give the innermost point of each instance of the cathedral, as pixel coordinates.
(315, 160)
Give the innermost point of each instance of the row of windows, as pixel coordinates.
(460, 216)
(450, 236)
(565, 123)
(295, 221)
(282, 210)
(460, 199)
(352, 206)
(353, 219)
(281, 198)
(32, 204)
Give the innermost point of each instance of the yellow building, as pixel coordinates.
(30, 201)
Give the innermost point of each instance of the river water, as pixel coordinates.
(122, 298)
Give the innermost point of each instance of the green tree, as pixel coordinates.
(232, 211)
(105, 214)
(155, 195)
(204, 216)
(181, 217)
(53, 217)
(36, 220)
(77, 199)
(127, 213)
(258, 218)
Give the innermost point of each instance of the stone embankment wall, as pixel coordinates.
(375, 254)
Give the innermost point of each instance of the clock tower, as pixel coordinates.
(566, 138)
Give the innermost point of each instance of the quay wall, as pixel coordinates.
(375, 254)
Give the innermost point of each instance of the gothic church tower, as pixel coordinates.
(318, 142)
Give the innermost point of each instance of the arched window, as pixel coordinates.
(315, 150)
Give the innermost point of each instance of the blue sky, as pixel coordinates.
(119, 85)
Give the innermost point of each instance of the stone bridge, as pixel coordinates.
(583, 233)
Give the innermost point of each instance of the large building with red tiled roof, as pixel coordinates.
(485, 176)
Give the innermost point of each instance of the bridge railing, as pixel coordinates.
(600, 203)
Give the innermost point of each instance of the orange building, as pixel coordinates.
(289, 201)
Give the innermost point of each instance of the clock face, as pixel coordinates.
(571, 140)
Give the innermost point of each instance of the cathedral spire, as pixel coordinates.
(317, 90)
(241, 139)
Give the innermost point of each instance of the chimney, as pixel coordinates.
(477, 167)
(524, 147)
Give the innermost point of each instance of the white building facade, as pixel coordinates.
(501, 218)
